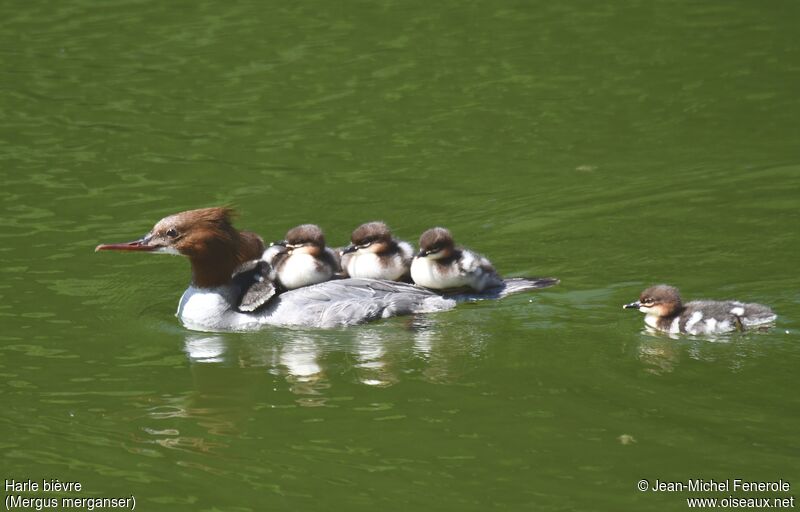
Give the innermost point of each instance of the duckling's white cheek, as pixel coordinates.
(645, 309)
(306, 249)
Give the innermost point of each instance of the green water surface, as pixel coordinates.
(611, 144)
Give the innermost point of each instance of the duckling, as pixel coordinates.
(302, 258)
(664, 311)
(375, 254)
(440, 265)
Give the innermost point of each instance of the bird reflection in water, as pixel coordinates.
(662, 353)
(378, 355)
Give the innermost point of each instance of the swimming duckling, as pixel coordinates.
(666, 312)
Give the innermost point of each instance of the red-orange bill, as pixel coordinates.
(136, 245)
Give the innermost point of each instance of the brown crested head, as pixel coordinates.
(206, 236)
(660, 300)
(305, 239)
(208, 233)
(437, 242)
(660, 294)
(304, 235)
(192, 232)
(374, 237)
(371, 232)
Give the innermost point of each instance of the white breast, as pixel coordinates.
(369, 265)
(302, 270)
(651, 321)
(209, 309)
(429, 274)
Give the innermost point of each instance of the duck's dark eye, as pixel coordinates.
(172, 232)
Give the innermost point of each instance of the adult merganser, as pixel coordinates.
(375, 254)
(302, 258)
(440, 265)
(665, 312)
(232, 289)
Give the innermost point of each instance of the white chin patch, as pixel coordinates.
(645, 309)
(167, 250)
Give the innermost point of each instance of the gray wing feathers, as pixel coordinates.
(257, 295)
(735, 313)
(253, 282)
(353, 301)
(755, 314)
(520, 284)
